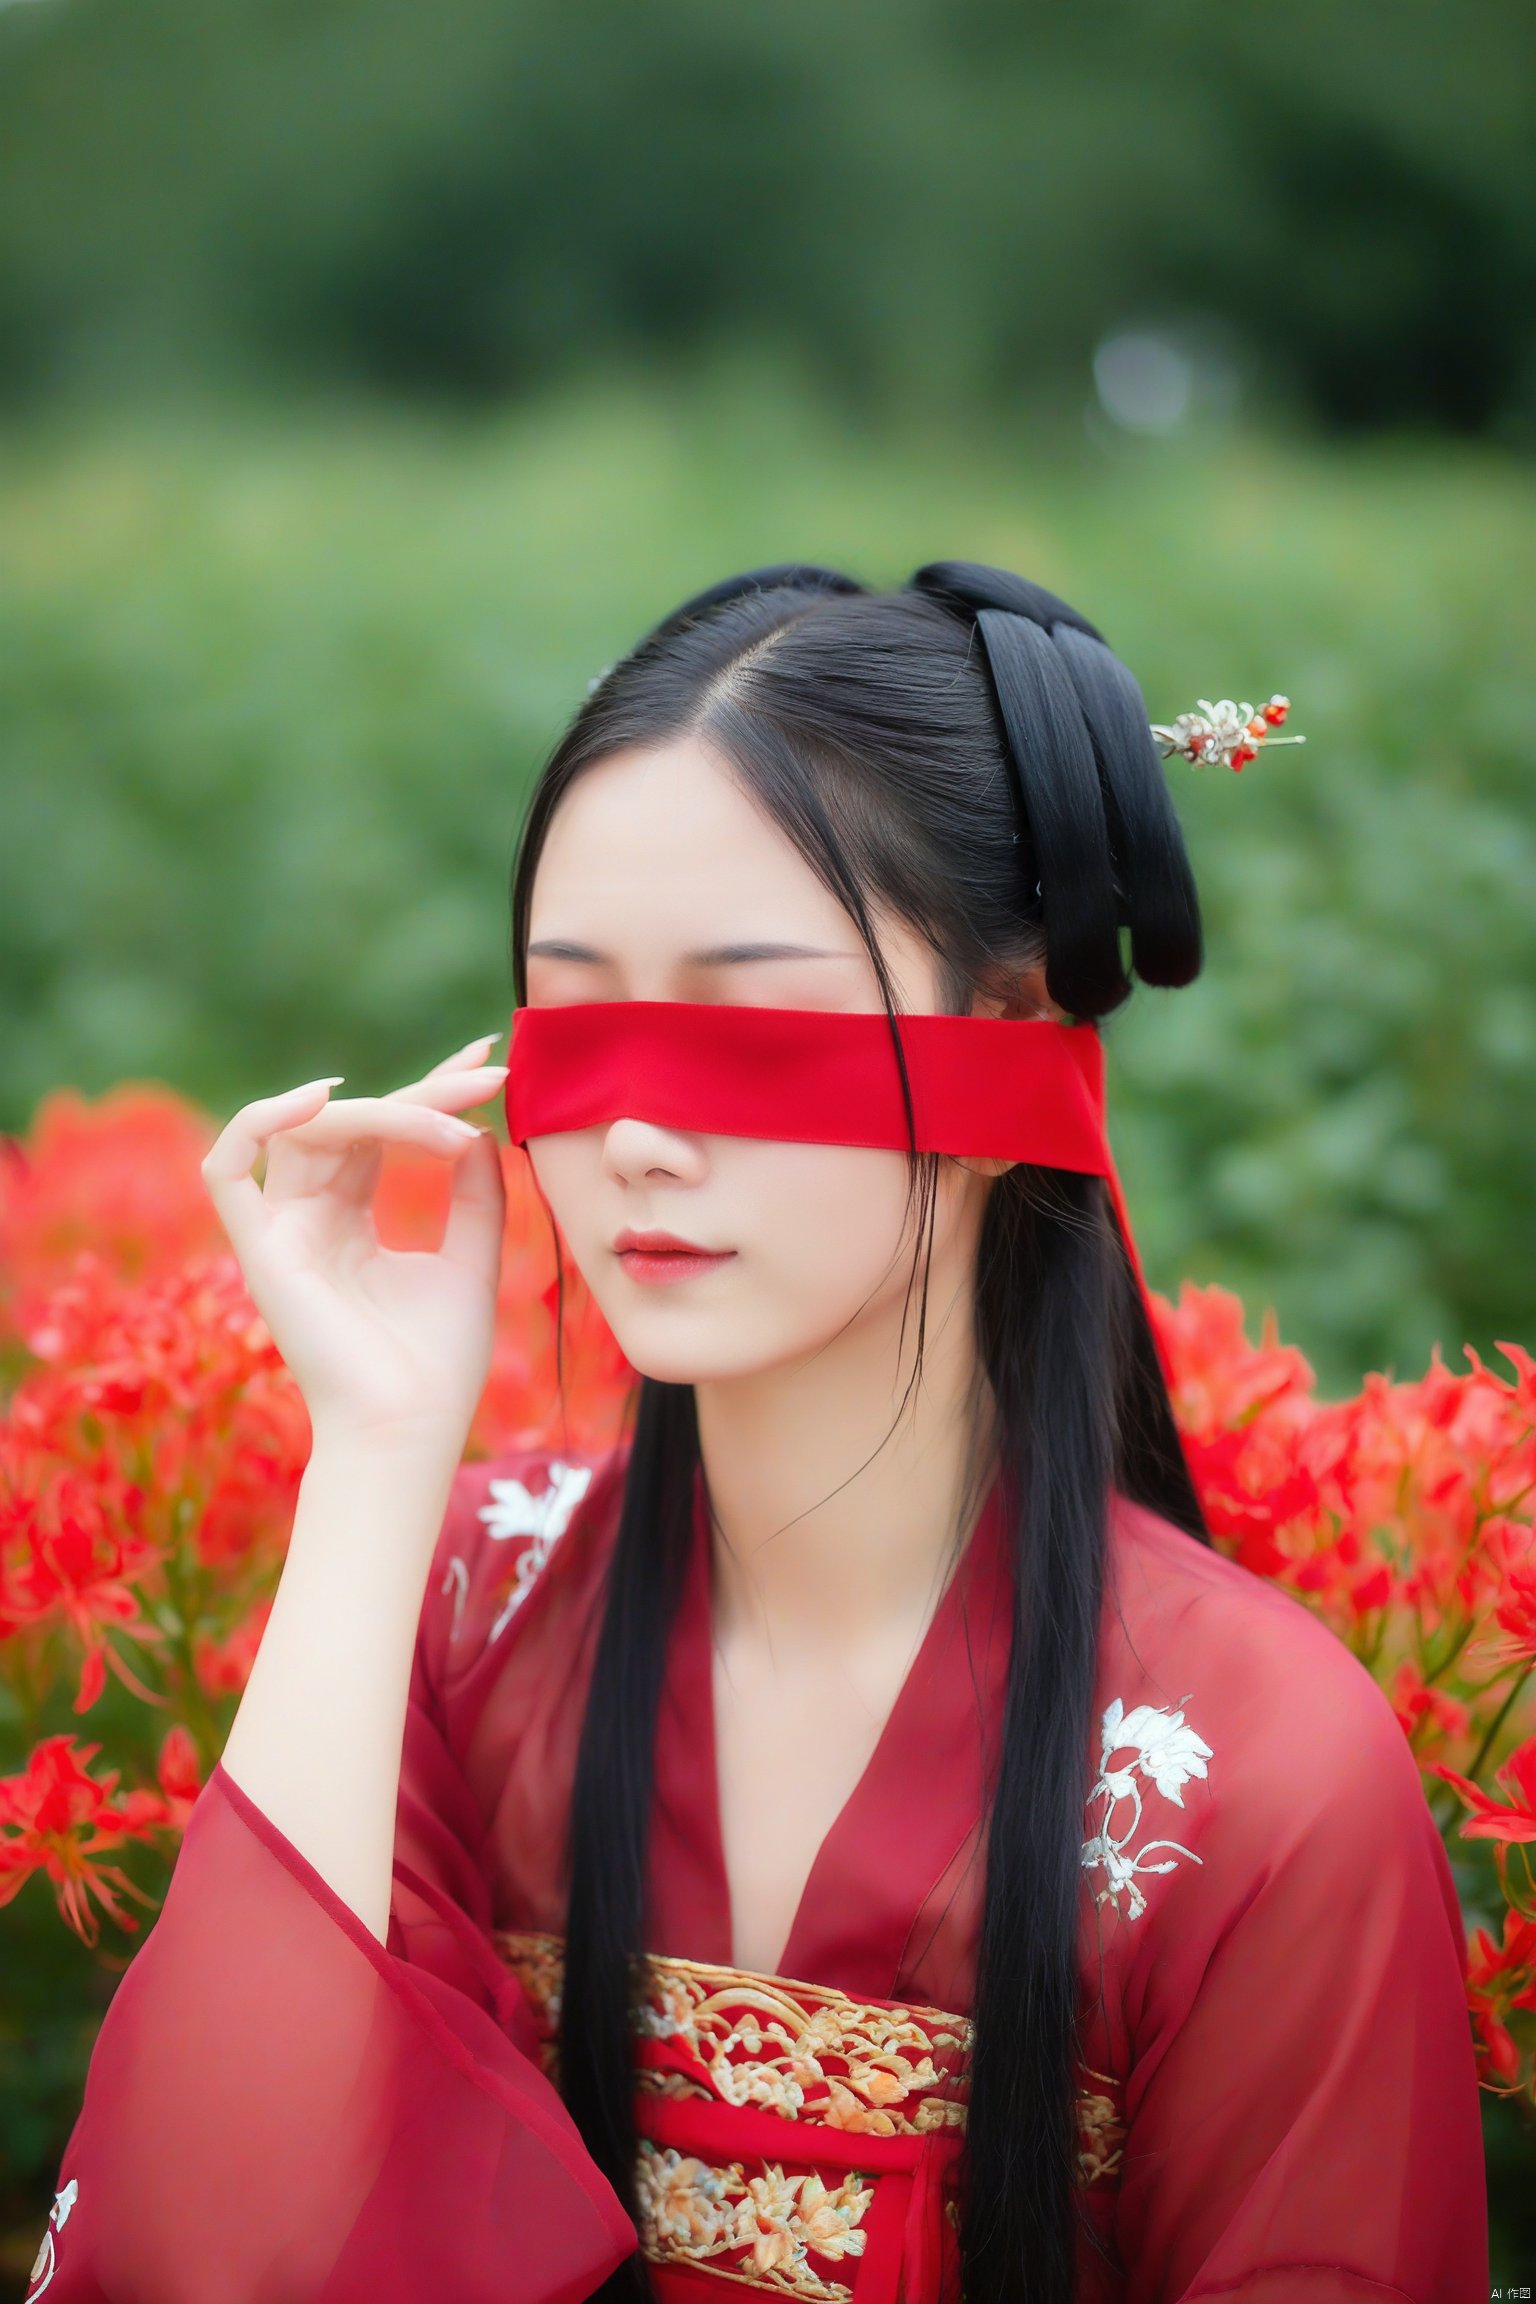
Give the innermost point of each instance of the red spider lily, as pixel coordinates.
(71, 1559)
(224, 1666)
(1523, 1387)
(1429, 1717)
(1393, 1505)
(1490, 1819)
(168, 1366)
(1430, 1461)
(1243, 1411)
(1221, 1381)
(118, 1177)
(1513, 1545)
(153, 1443)
(1501, 1977)
(171, 1398)
(58, 1819)
(178, 1774)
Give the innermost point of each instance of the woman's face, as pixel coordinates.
(660, 879)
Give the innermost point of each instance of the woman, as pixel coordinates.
(859, 1836)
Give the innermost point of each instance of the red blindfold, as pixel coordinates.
(980, 1086)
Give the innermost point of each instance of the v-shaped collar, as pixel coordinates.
(919, 1800)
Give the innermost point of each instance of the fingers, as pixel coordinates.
(371, 1121)
(305, 1121)
(459, 1081)
(455, 1090)
(477, 1209)
(471, 1057)
(226, 1166)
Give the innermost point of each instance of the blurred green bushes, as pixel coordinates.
(272, 694)
(940, 201)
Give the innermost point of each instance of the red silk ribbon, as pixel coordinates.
(981, 1086)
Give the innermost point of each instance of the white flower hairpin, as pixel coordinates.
(1226, 733)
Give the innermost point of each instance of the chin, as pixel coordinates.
(669, 1364)
(701, 1358)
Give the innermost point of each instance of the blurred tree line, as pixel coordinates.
(940, 202)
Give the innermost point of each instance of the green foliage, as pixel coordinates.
(272, 699)
(923, 198)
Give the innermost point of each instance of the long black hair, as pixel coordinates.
(968, 755)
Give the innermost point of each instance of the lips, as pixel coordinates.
(660, 1258)
(662, 1243)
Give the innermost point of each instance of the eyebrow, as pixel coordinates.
(712, 956)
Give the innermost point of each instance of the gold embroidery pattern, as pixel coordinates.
(809, 2055)
(768, 2225)
(538, 1963)
(806, 2053)
(799, 2050)
(1100, 2128)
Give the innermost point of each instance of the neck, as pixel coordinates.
(838, 1506)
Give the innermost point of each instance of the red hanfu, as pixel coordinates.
(1276, 2099)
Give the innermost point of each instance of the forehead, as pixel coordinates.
(668, 846)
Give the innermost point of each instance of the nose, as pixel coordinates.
(642, 1152)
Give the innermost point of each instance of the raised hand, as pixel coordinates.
(386, 1345)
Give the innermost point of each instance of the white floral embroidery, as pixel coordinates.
(46, 2264)
(515, 1511)
(458, 1578)
(1167, 1753)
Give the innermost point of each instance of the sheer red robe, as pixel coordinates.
(1276, 2097)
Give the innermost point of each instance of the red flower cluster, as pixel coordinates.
(1404, 1518)
(151, 1448)
(60, 1820)
(152, 1442)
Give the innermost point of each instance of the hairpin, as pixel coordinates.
(1226, 732)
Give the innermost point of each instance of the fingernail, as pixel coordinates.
(334, 1081)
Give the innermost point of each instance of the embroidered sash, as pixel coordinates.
(791, 2138)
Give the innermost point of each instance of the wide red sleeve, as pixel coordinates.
(281, 2110)
(1303, 2121)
